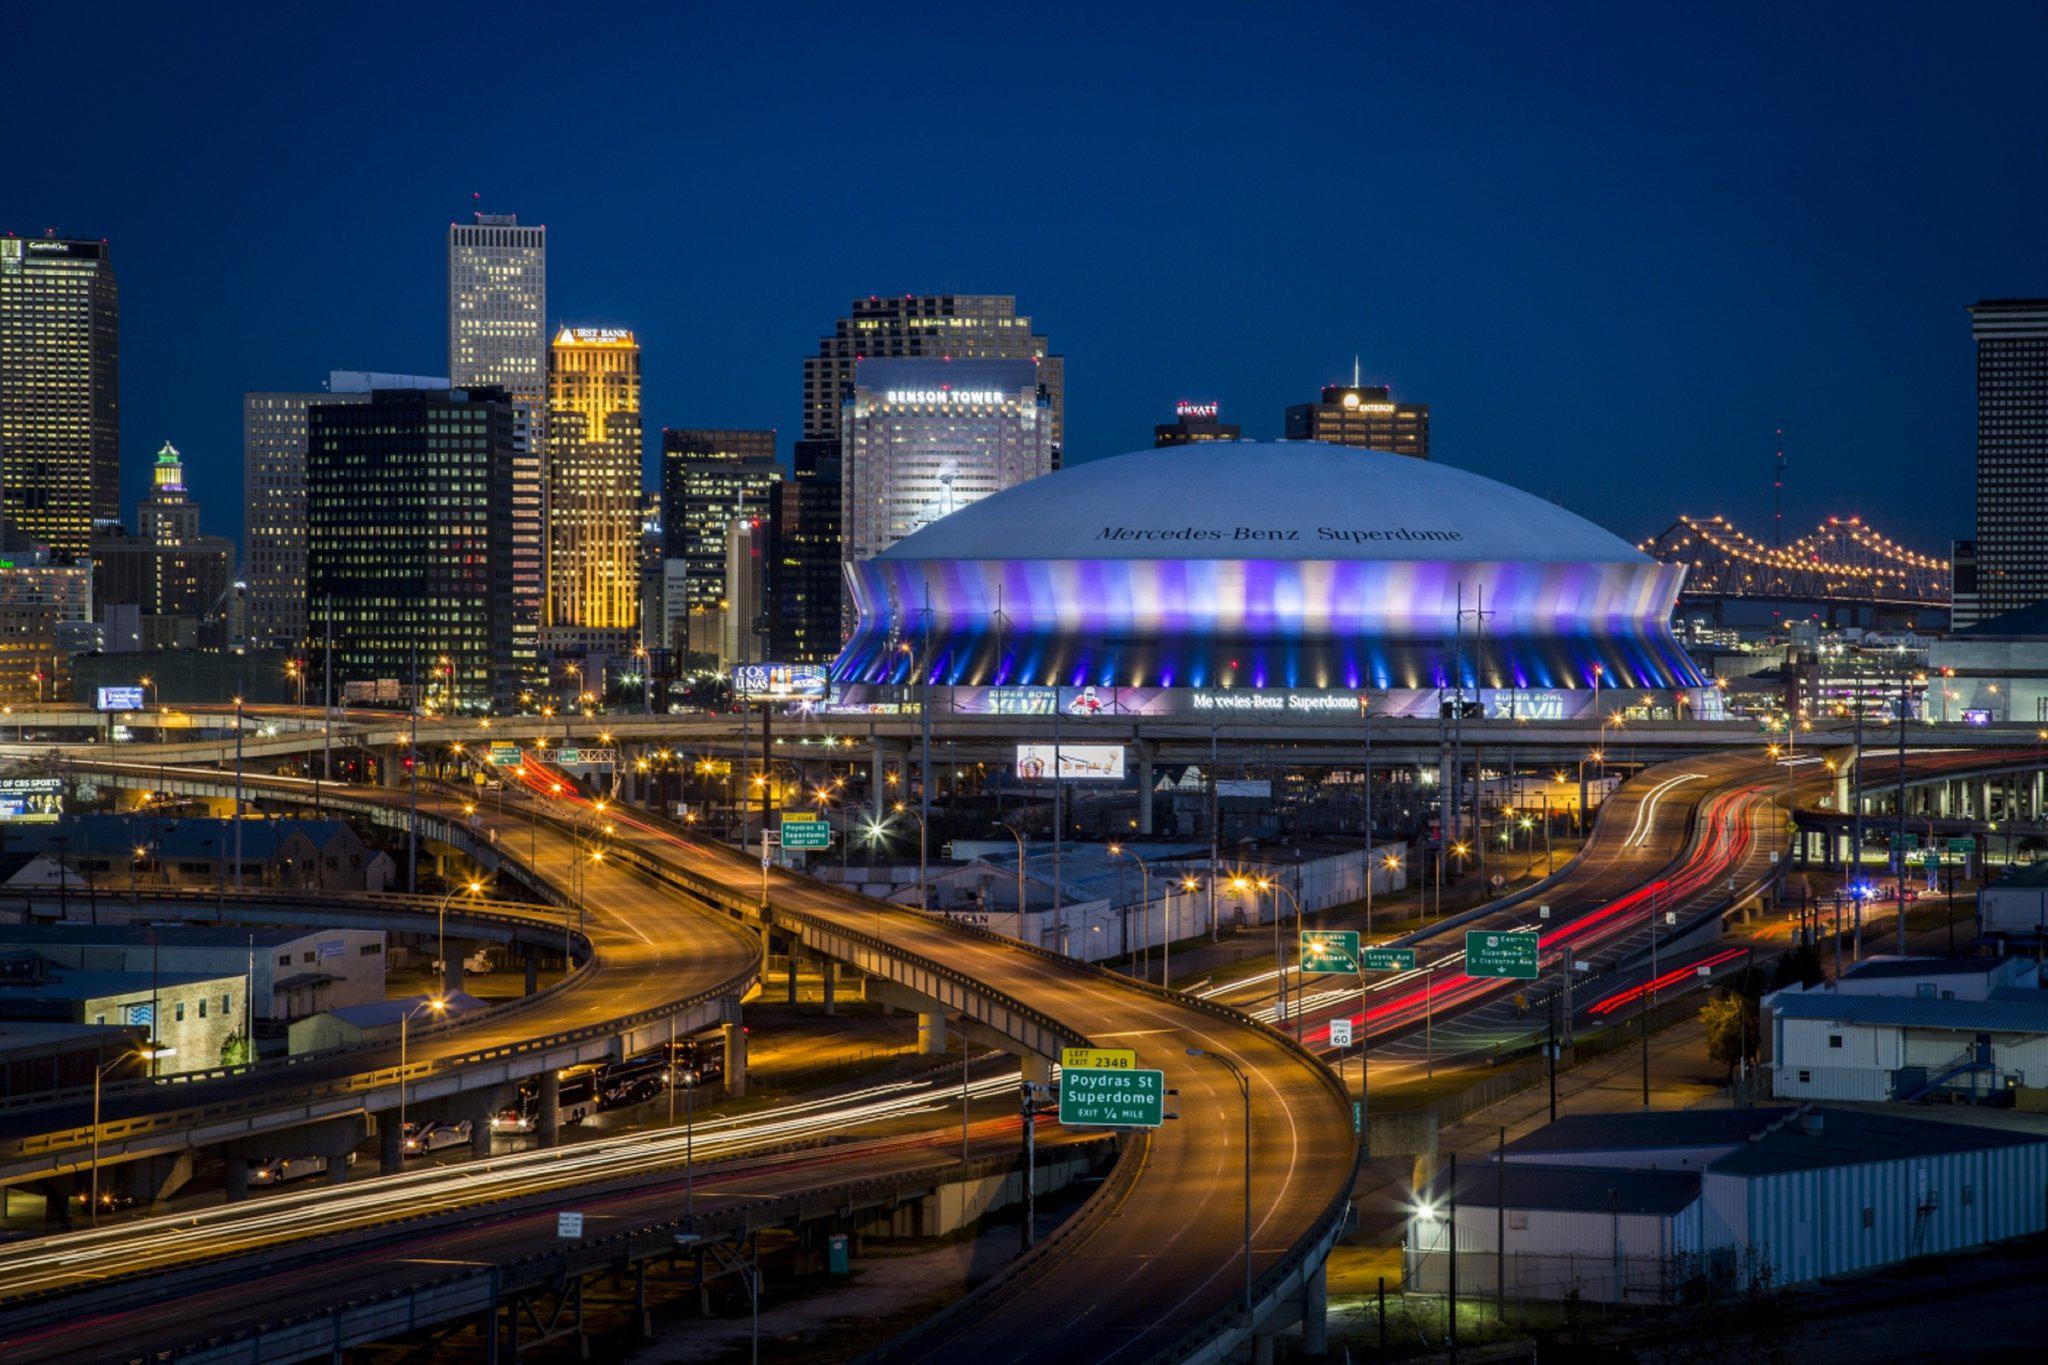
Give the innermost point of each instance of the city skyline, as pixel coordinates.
(1570, 295)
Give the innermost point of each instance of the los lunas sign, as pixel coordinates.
(1339, 535)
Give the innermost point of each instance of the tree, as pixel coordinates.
(234, 1050)
(1731, 1020)
(1800, 967)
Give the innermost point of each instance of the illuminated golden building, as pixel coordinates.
(593, 491)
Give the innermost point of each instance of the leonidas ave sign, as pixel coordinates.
(1488, 953)
(1112, 1099)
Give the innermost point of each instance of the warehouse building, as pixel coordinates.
(1637, 1208)
(1828, 1045)
(294, 972)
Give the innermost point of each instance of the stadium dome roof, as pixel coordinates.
(1265, 500)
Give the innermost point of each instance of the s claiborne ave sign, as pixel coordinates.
(1356, 535)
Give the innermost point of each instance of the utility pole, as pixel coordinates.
(1899, 843)
(238, 785)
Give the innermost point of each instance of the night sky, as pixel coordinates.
(1616, 248)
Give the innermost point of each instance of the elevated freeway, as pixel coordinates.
(650, 960)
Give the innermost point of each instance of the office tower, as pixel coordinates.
(41, 604)
(498, 307)
(1194, 422)
(940, 326)
(411, 507)
(593, 492)
(924, 438)
(2012, 455)
(1362, 415)
(274, 496)
(167, 569)
(709, 477)
(651, 609)
(60, 392)
(743, 637)
(806, 589)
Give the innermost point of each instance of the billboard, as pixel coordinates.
(119, 699)
(33, 800)
(1100, 762)
(779, 681)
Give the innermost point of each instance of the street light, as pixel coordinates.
(145, 1054)
(1144, 895)
(1018, 835)
(901, 809)
(438, 1005)
(441, 923)
(1244, 1090)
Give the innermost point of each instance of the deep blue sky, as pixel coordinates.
(1616, 247)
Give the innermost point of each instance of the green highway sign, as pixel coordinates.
(1907, 841)
(1488, 953)
(1965, 844)
(1112, 1098)
(568, 756)
(504, 755)
(1389, 959)
(1329, 950)
(805, 832)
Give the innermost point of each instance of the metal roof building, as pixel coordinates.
(1829, 1045)
(1630, 1207)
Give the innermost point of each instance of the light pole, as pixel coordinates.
(922, 900)
(1018, 835)
(441, 925)
(1244, 1090)
(147, 1054)
(1299, 985)
(438, 1006)
(1144, 894)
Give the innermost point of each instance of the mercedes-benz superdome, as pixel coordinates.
(1249, 576)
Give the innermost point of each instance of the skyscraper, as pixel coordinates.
(1362, 415)
(167, 569)
(498, 336)
(274, 497)
(1194, 422)
(60, 392)
(410, 517)
(807, 575)
(498, 307)
(2012, 457)
(709, 477)
(593, 492)
(956, 326)
(924, 438)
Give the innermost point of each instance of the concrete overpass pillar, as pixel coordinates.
(390, 1143)
(547, 1118)
(387, 767)
(451, 967)
(878, 784)
(931, 1032)
(789, 972)
(1262, 1348)
(1315, 1313)
(828, 971)
(1035, 1069)
(482, 1104)
(1147, 751)
(57, 1191)
(238, 1180)
(532, 961)
(735, 1058)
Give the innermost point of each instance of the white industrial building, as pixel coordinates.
(1111, 909)
(293, 972)
(1634, 1207)
(2016, 906)
(1902, 1029)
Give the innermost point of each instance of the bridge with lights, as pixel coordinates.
(1843, 562)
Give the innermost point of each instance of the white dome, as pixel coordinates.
(1265, 500)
